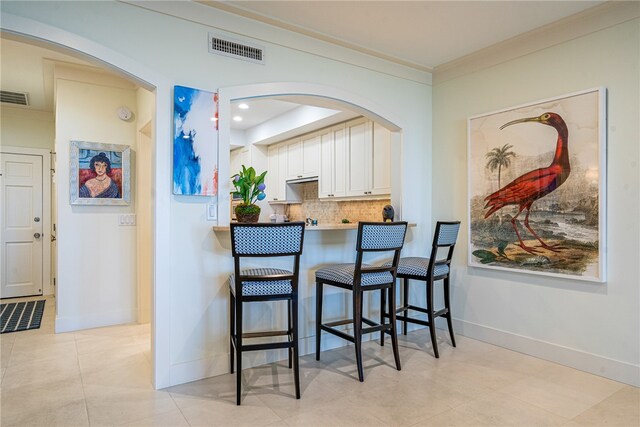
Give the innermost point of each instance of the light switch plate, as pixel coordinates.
(212, 212)
(127, 219)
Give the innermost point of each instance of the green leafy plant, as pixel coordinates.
(249, 185)
(485, 256)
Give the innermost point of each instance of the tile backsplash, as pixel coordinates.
(332, 212)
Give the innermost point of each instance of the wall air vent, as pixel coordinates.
(235, 49)
(16, 98)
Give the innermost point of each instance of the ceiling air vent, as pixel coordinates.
(235, 49)
(16, 98)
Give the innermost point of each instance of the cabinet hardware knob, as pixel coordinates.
(36, 235)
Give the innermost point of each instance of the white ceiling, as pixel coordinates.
(259, 111)
(423, 34)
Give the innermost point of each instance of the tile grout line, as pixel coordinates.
(562, 416)
(84, 394)
(179, 408)
(4, 372)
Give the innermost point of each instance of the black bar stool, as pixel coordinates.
(359, 278)
(430, 270)
(264, 284)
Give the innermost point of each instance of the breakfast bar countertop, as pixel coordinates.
(320, 227)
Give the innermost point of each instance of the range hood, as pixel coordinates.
(303, 179)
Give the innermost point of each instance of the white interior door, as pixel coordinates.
(22, 225)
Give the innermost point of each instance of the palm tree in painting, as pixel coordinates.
(500, 158)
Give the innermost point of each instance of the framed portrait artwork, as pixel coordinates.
(100, 174)
(537, 199)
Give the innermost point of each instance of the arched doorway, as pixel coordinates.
(33, 32)
(311, 94)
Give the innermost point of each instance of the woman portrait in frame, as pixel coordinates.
(99, 174)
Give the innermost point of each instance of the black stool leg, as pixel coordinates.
(448, 307)
(431, 318)
(289, 330)
(392, 320)
(318, 317)
(232, 329)
(357, 330)
(296, 365)
(383, 297)
(239, 351)
(405, 302)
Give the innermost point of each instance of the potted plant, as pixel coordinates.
(250, 187)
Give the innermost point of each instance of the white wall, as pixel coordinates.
(594, 327)
(145, 114)
(26, 128)
(199, 261)
(96, 256)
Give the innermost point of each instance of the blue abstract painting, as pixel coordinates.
(195, 142)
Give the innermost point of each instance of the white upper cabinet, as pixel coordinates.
(303, 157)
(351, 160)
(294, 159)
(381, 161)
(276, 175)
(369, 159)
(359, 144)
(311, 155)
(332, 175)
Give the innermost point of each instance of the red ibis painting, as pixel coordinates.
(536, 187)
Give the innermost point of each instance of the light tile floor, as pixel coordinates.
(101, 377)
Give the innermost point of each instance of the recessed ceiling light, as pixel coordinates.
(237, 118)
(243, 106)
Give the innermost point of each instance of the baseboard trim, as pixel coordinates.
(598, 365)
(94, 320)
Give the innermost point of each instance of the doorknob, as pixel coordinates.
(36, 235)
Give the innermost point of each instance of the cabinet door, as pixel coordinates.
(339, 161)
(282, 167)
(272, 177)
(381, 161)
(294, 160)
(325, 177)
(311, 155)
(359, 153)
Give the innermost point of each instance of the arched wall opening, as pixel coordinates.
(32, 32)
(309, 94)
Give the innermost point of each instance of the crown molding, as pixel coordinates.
(598, 18)
(233, 21)
(237, 9)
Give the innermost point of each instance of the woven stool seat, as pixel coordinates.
(418, 266)
(266, 287)
(344, 273)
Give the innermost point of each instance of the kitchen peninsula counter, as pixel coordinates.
(319, 227)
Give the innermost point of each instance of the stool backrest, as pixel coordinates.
(379, 237)
(445, 236)
(267, 239)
